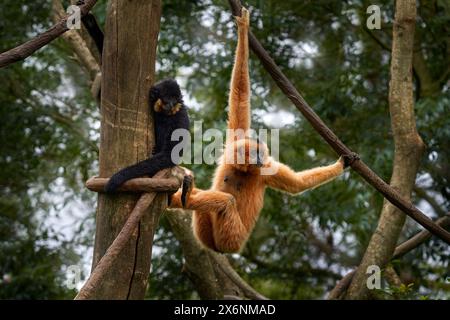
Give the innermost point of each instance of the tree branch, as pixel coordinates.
(371, 34)
(84, 53)
(197, 266)
(136, 185)
(402, 249)
(119, 243)
(392, 277)
(210, 272)
(28, 48)
(341, 287)
(421, 193)
(331, 138)
(77, 43)
(427, 85)
(226, 267)
(408, 150)
(116, 247)
(419, 238)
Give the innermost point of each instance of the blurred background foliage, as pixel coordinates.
(302, 245)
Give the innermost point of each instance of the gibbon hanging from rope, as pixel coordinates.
(225, 215)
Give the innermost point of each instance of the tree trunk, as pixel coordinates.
(81, 50)
(408, 147)
(210, 272)
(197, 265)
(127, 136)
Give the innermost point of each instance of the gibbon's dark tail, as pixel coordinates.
(146, 167)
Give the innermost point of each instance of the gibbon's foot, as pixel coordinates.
(244, 19)
(187, 187)
(348, 159)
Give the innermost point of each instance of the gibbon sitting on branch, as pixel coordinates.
(170, 114)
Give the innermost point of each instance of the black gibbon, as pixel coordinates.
(169, 114)
(225, 215)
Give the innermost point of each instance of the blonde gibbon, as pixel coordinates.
(225, 215)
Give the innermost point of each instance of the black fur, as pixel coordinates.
(91, 25)
(187, 186)
(170, 94)
(350, 158)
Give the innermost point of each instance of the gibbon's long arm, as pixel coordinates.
(91, 25)
(295, 182)
(225, 230)
(205, 200)
(239, 98)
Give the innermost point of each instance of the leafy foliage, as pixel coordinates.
(302, 245)
(45, 155)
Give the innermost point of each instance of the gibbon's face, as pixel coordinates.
(167, 107)
(247, 155)
(169, 97)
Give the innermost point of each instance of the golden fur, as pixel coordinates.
(225, 215)
(158, 107)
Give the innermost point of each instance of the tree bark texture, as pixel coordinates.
(127, 136)
(112, 254)
(210, 272)
(408, 147)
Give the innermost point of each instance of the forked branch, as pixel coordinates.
(28, 48)
(400, 251)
